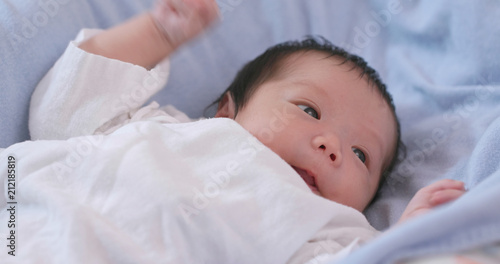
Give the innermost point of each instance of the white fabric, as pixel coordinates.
(158, 191)
(197, 192)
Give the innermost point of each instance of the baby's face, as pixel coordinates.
(331, 126)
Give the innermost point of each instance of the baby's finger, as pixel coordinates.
(446, 184)
(208, 9)
(445, 196)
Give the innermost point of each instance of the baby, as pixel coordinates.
(322, 110)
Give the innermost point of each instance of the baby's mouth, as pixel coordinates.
(308, 178)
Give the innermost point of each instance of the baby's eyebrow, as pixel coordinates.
(306, 83)
(310, 85)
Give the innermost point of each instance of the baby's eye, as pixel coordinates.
(360, 154)
(309, 110)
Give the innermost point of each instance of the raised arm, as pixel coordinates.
(148, 38)
(137, 41)
(106, 75)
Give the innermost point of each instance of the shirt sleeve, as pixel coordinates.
(83, 91)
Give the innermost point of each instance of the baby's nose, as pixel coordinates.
(333, 157)
(330, 147)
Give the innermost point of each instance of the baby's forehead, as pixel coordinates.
(305, 64)
(290, 63)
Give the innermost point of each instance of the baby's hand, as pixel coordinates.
(433, 195)
(181, 20)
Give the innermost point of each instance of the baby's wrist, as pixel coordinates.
(160, 35)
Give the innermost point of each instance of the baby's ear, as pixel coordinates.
(226, 107)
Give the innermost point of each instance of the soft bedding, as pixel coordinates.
(440, 60)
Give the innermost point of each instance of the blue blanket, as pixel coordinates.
(440, 60)
(470, 222)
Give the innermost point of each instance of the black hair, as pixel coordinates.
(268, 65)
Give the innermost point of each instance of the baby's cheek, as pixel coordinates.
(266, 135)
